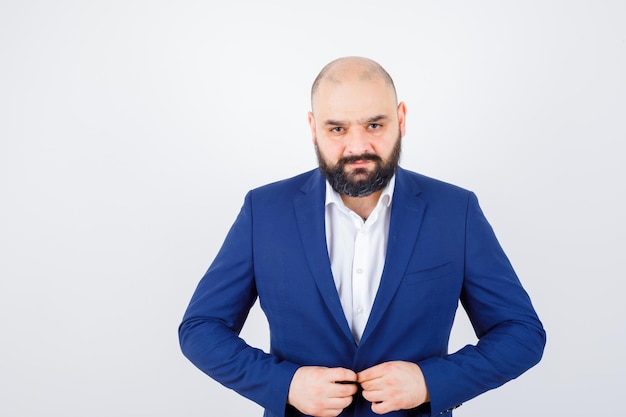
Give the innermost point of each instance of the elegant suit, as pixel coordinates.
(441, 249)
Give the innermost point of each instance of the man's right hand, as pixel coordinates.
(322, 392)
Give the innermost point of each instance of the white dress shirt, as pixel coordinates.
(357, 250)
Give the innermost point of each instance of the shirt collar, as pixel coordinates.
(386, 196)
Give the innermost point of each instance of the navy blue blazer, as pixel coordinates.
(441, 250)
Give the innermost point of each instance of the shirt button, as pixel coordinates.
(359, 270)
(359, 310)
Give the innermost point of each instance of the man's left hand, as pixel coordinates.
(392, 386)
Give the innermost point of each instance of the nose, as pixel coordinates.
(358, 142)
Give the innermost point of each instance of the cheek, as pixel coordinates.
(331, 150)
(385, 148)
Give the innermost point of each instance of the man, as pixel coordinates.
(359, 267)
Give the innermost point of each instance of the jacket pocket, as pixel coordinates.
(429, 274)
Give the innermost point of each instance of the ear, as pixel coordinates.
(402, 118)
(312, 127)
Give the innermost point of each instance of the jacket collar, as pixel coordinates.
(407, 212)
(406, 216)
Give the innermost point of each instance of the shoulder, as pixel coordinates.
(442, 198)
(428, 186)
(295, 183)
(289, 188)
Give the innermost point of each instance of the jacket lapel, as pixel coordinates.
(407, 212)
(309, 208)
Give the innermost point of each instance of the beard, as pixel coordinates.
(360, 182)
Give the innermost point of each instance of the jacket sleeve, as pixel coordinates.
(511, 337)
(209, 332)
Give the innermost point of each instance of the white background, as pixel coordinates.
(131, 130)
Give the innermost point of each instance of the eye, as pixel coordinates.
(337, 129)
(374, 126)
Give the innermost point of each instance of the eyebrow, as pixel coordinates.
(377, 118)
(373, 119)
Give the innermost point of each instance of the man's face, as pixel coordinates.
(357, 130)
(360, 181)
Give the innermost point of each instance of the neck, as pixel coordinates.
(363, 206)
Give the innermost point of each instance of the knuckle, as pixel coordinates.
(378, 408)
(346, 402)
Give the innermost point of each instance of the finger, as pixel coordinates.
(345, 389)
(334, 406)
(341, 375)
(374, 396)
(369, 374)
(382, 407)
(378, 382)
(344, 402)
(372, 384)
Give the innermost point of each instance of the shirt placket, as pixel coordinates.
(360, 280)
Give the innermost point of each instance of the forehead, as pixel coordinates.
(354, 97)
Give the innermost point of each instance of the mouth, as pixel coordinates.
(361, 160)
(360, 163)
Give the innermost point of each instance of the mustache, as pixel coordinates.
(363, 157)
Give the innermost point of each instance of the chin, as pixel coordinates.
(359, 172)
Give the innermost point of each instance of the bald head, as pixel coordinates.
(351, 69)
